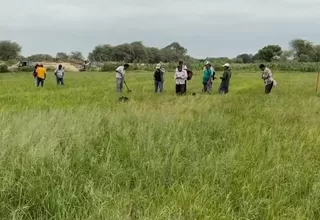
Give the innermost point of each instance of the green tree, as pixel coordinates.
(315, 54)
(246, 58)
(41, 57)
(154, 55)
(267, 53)
(301, 47)
(62, 56)
(76, 56)
(173, 52)
(305, 58)
(9, 50)
(124, 53)
(287, 55)
(102, 53)
(139, 52)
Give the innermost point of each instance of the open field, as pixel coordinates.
(77, 153)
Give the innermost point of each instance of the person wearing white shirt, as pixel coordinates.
(120, 76)
(184, 67)
(180, 76)
(59, 73)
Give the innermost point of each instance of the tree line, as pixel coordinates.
(135, 52)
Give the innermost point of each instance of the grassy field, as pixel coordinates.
(78, 153)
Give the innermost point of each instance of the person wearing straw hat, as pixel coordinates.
(158, 78)
(225, 79)
(208, 77)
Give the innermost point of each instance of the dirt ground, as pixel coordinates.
(52, 65)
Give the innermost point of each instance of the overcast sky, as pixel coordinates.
(204, 27)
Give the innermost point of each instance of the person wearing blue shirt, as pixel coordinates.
(208, 77)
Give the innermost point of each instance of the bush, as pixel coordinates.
(25, 69)
(111, 66)
(4, 68)
(108, 67)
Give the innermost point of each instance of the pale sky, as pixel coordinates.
(207, 28)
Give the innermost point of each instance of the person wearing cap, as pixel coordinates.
(225, 79)
(207, 79)
(211, 67)
(267, 76)
(158, 78)
(120, 74)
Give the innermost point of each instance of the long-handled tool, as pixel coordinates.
(129, 90)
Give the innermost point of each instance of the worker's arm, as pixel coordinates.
(266, 74)
(213, 74)
(185, 74)
(224, 76)
(176, 75)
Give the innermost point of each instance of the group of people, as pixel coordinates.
(182, 75)
(40, 75)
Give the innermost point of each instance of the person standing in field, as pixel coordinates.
(59, 73)
(225, 79)
(120, 77)
(184, 67)
(158, 78)
(41, 75)
(208, 77)
(267, 76)
(180, 76)
(35, 73)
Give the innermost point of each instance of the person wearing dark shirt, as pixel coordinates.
(35, 73)
(225, 79)
(158, 78)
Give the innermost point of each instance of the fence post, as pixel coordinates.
(317, 87)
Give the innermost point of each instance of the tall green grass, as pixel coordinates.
(251, 67)
(75, 152)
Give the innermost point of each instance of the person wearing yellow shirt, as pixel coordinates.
(41, 75)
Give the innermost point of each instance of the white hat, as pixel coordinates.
(206, 63)
(226, 65)
(158, 66)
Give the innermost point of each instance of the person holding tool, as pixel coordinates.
(225, 79)
(120, 77)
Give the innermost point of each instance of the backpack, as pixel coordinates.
(190, 74)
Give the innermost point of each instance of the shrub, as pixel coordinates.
(107, 67)
(25, 69)
(4, 68)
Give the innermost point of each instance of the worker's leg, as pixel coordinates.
(156, 85)
(38, 82)
(121, 85)
(268, 88)
(183, 89)
(177, 89)
(209, 87)
(118, 82)
(161, 86)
